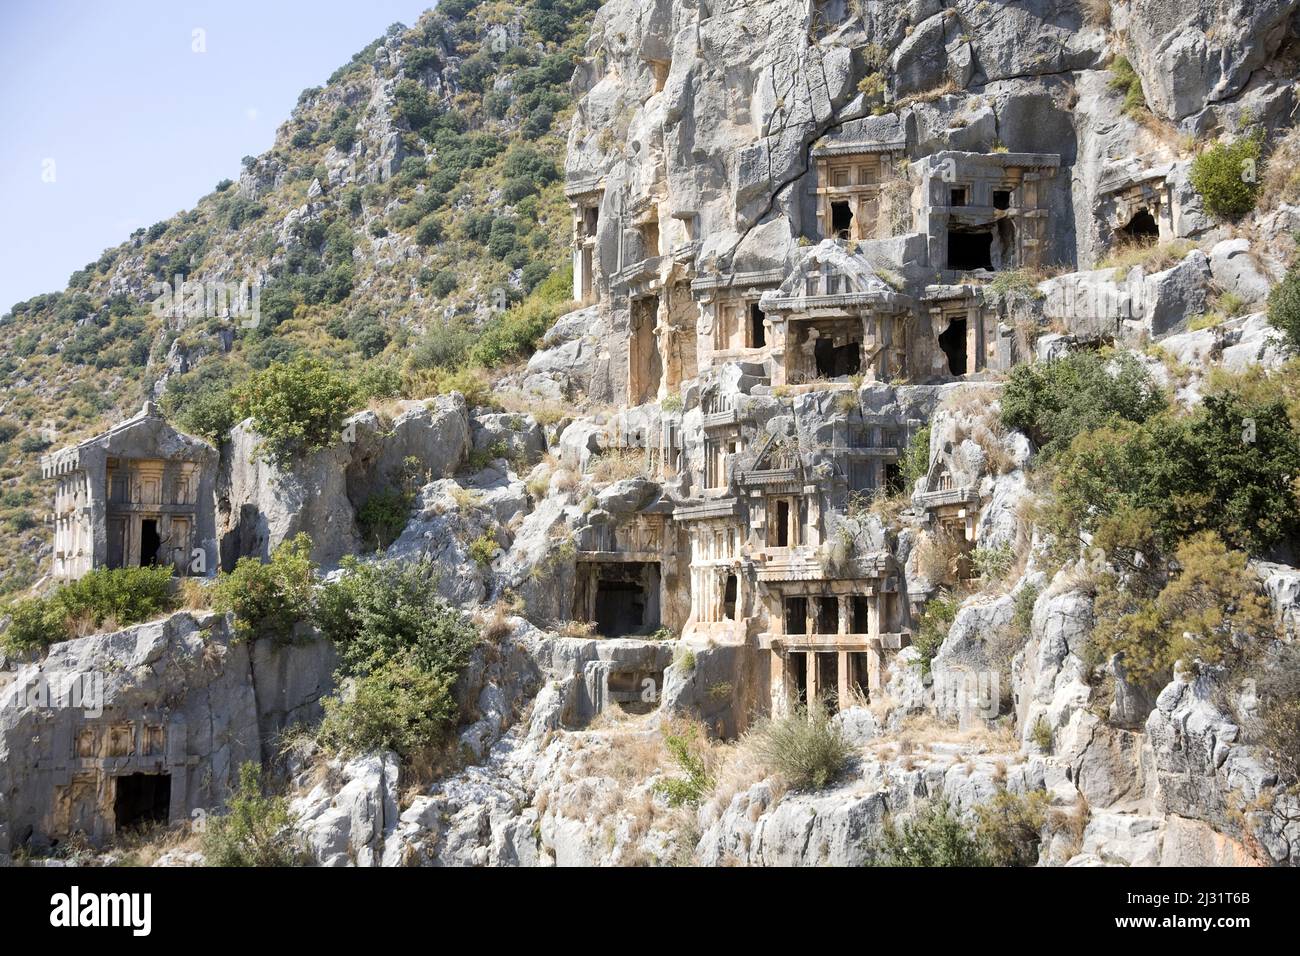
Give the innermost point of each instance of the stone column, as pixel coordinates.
(844, 679)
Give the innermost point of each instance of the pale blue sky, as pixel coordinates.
(137, 124)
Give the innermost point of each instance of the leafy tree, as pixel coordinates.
(1227, 467)
(297, 407)
(1053, 402)
(1210, 610)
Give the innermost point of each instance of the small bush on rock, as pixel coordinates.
(396, 707)
(1284, 308)
(934, 836)
(256, 829)
(402, 648)
(1007, 832)
(269, 600)
(936, 619)
(297, 407)
(692, 788)
(382, 518)
(1210, 610)
(1227, 177)
(378, 612)
(1055, 401)
(806, 747)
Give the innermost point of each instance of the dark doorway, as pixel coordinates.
(841, 220)
(894, 483)
(149, 542)
(626, 598)
(1001, 199)
(757, 334)
(953, 342)
(783, 524)
(798, 665)
(957, 196)
(796, 615)
(861, 612)
(970, 250)
(635, 692)
(620, 608)
(828, 680)
(729, 597)
(828, 615)
(1142, 228)
(833, 362)
(142, 799)
(1006, 255)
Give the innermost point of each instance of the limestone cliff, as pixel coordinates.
(765, 459)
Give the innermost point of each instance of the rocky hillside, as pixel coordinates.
(417, 189)
(915, 481)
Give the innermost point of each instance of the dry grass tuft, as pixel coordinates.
(1149, 257)
(617, 464)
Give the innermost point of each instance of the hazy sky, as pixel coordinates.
(111, 99)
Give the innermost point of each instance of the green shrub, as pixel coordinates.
(376, 612)
(806, 747)
(692, 788)
(1227, 177)
(444, 346)
(1284, 308)
(1022, 617)
(1009, 828)
(398, 706)
(1007, 832)
(1054, 401)
(937, 617)
(209, 414)
(1042, 735)
(34, 624)
(1226, 467)
(377, 381)
(1211, 610)
(934, 836)
(993, 564)
(514, 333)
(916, 460)
(269, 599)
(117, 598)
(121, 595)
(484, 548)
(383, 516)
(297, 407)
(256, 829)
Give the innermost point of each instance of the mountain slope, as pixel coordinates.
(417, 190)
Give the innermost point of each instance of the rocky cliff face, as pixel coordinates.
(764, 455)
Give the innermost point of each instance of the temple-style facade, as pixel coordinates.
(767, 453)
(139, 495)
